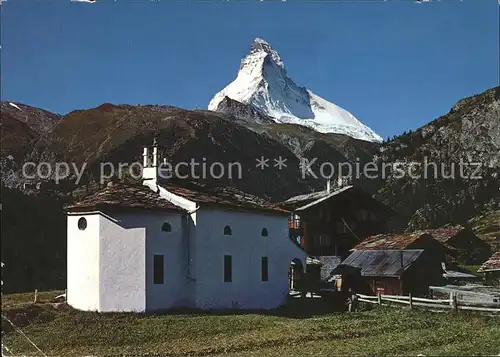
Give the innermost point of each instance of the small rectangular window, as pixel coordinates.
(264, 272)
(228, 269)
(158, 269)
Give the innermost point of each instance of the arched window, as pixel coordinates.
(263, 233)
(166, 227)
(227, 231)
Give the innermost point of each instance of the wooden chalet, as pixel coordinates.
(331, 222)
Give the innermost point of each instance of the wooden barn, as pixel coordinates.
(331, 222)
(470, 249)
(394, 272)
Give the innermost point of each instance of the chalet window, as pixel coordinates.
(264, 269)
(82, 224)
(263, 233)
(297, 222)
(158, 269)
(166, 227)
(228, 268)
(227, 231)
(294, 222)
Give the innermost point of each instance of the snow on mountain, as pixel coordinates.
(262, 82)
(15, 106)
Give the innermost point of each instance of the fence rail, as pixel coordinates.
(451, 303)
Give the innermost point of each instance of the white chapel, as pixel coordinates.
(147, 247)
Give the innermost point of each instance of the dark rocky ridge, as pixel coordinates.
(469, 132)
(117, 133)
(22, 125)
(243, 112)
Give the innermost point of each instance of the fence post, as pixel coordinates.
(453, 301)
(411, 301)
(379, 299)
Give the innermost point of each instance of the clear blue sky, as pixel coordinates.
(395, 65)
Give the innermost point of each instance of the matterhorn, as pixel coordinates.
(262, 83)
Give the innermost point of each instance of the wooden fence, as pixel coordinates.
(452, 303)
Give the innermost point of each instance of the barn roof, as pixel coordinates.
(120, 196)
(492, 264)
(444, 234)
(382, 263)
(390, 241)
(328, 265)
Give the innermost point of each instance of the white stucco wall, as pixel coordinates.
(122, 268)
(110, 263)
(83, 263)
(172, 293)
(246, 246)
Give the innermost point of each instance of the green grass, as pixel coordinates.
(63, 331)
(472, 269)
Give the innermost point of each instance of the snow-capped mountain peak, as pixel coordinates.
(261, 46)
(262, 82)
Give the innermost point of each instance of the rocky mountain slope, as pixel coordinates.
(22, 125)
(470, 132)
(263, 83)
(243, 112)
(303, 141)
(487, 226)
(461, 151)
(116, 134)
